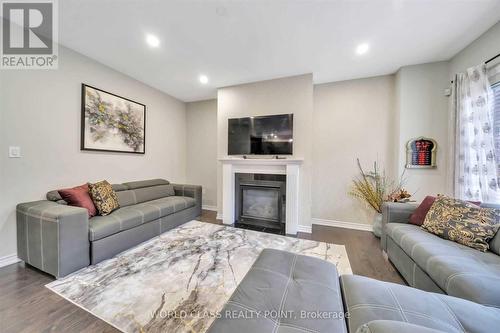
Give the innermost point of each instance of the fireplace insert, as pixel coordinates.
(261, 202)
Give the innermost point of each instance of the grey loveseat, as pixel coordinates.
(285, 292)
(60, 239)
(433, 264)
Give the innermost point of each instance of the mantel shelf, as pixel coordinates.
(261, 161)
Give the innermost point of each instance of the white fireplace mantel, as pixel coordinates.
(286, 166)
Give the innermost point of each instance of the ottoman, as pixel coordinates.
(285, 292)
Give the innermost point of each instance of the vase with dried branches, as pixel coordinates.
(374, 188)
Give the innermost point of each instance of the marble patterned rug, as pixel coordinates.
(178, 281)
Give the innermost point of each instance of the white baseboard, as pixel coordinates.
(342, 224)
(304, 228)
(9, 260)
(208, 207)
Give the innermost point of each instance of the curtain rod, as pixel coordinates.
(490, 60)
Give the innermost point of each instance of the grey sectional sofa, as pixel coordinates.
(285, 292)
(60, 239)
(433, 264)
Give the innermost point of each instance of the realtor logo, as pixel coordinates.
(29, 34)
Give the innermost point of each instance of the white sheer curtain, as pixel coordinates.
(475, 173)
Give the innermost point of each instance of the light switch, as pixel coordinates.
(14, 152)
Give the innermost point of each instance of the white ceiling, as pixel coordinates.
(236, 42)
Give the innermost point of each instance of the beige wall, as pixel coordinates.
(389, 109)
(373, 119)
(352, 119)
(482, 49)
(40, 112)
(287, 95)
(422, 110)
(368, 118)
(201, 164)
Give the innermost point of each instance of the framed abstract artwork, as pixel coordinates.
(421, 153)
(112, 123)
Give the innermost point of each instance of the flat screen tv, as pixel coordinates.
(265, 135)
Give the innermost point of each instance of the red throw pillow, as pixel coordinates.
(79, 197)
(418, 216)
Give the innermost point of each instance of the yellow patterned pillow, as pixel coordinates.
(462, 222)
(104, 198)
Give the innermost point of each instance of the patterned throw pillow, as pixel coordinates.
(105, 199)
(418, 216)
(462, 222)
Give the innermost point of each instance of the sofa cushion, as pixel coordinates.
(143, 194)
(284, 292)
(153, 192)
(131, 216)
(145, 183)
(170, 205)
(457, 269)
(126, 198)
(367, 299)
(119, 187)
(462, 222)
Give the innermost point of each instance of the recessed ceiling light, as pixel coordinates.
(152, 40)
(362, 48)
(203, 79)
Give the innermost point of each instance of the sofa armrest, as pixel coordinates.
(395, 212)
(53, 237)
(193, 191)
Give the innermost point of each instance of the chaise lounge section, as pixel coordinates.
(60, 239)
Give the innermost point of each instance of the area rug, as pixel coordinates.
(177, 282)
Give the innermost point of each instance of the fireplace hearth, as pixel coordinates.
(260, 202)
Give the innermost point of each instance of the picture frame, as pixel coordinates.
(111, 123)
(421, 153)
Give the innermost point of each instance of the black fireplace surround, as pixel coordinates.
(260, 201)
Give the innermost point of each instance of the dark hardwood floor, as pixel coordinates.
(27, 306)
(363, 250)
